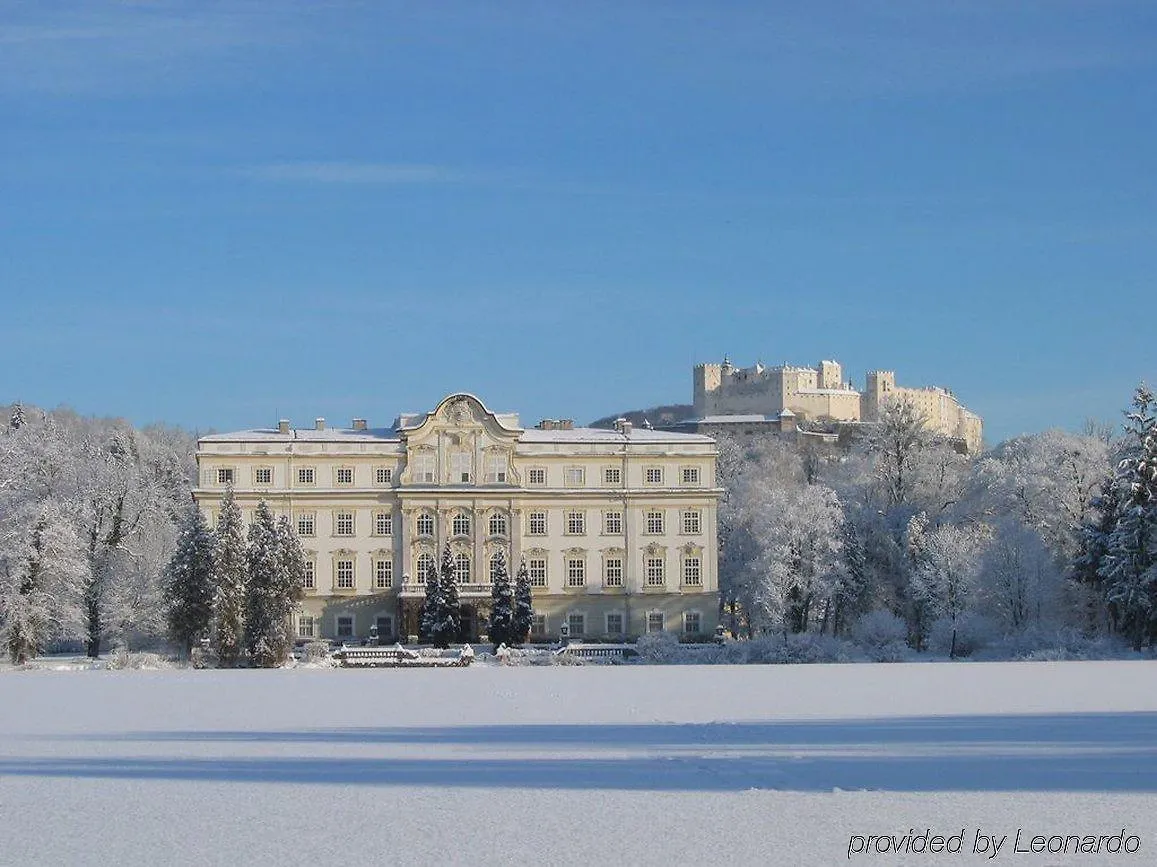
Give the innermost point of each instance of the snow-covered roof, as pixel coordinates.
(732, 419)
(603, 435)
(308, 435)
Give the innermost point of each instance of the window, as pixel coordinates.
(383, 476)
(613, 523)
(225, 475)
(576, 572)
(537, 524)
(612, 476)
(425, 524)
(613, 572)
(425, 564)
(460, 467)
(309, 579)
(383, 524)
(654, 522)
(536, 476)
(343, 524)
(383, 574)
(424, 468)
(345, 627)
(690, 475)
(344, 569)
(576, 477)
(691, 622)
(692, 572)
(654, 569)
(614, 623)
(306, 475)
(653, 476)
(536, 571)
(538, 625)
(576, 523)
(344, 475)
(305, 524)
(655, 621)
(576, 624)
(497, 524)
(496, 469)
(691, 522)
(385, 625)
(461, 524)
(462, 568)
(305, 626)
(263, 476)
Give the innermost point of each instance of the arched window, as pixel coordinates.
(425, 524)
(462, 568)
(425, 564)
(498, 524)
(461, 524)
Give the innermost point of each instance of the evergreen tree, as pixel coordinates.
(501, 603)
(1129, 567)
(523, 607)
(447, 624)
(292, 575)
(431, 606)
(265, 597)
(17, 420)
(1092, 545)
(230, 569)
(188, 587)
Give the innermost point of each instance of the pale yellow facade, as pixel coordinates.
(617, 527)
(819, 393)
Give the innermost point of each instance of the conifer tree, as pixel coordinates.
(431, 606)
(188, 587)
(523, 607)
(230, 569)
(447, 623)
(292, 576)
(1129, 567)
(501, 602)
(265, 597)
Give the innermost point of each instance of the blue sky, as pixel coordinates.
(216, 214)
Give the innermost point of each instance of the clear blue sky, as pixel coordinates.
(217, 213)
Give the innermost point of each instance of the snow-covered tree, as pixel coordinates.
(230, 571)
(40, 591)
(189, 587)
(432, 606)
(292, 576)
(947, 563)
(267, 598)
(17, 419)
(1129, 566)
(501, 602)
(1020, 580)
(520, 620)
(447, 624)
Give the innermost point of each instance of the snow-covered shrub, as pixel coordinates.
(122, 659)
(973, 632)
(660, 648)
(804, 647)
(882, 635)
(1039, 644)
(315, 652)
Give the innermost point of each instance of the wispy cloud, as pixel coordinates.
(359, 173)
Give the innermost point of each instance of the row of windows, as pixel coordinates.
(576, 477)
(575, 523)
(424, 472)
(309, 626)
(342, 476)
(654, 571)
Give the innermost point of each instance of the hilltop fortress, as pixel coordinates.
(785, 397)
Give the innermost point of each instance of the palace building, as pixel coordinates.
(617, 528)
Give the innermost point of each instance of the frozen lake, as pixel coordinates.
(626, 765)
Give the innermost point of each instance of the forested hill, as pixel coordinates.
(656, 415)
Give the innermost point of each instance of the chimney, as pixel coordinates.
(283, 426)
(566, 424)
(359, 424)
(546, 424)
(623, 426)
(319, 424)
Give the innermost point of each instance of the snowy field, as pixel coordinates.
(573, 765)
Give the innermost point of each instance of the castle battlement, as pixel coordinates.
(819, 393)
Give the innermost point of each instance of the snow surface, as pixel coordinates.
(571, 765)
